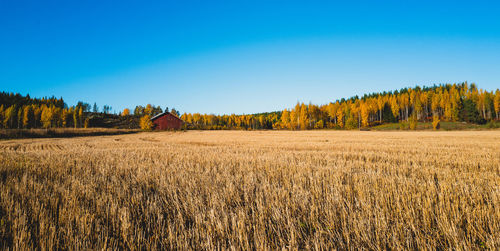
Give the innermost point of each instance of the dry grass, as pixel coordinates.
(253, 190)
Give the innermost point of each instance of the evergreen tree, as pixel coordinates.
(174, 112)
(19, 118)
(470, 113)
(2, 116)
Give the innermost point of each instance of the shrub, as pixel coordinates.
(319, 125)
(351, 123)
(436, 123)
(493, 125)
(413, 122)
(403, 125)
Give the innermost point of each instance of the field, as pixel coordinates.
(253, 190)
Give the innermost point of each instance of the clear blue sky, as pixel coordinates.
(242, 56)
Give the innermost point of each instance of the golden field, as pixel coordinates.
(253, 190)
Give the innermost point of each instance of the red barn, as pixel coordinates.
(166, 121)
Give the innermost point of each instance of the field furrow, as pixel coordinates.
(253, 190)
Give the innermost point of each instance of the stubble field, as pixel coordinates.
(253, 190)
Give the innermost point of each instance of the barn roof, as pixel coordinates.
(164, 113)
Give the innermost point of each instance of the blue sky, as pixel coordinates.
(242, 56)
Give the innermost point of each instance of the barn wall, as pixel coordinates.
(167, 122)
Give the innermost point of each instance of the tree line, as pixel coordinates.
(23, 112)
(42, 116)
(17, 111)
(448, 102)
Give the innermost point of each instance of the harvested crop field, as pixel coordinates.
(253, 190)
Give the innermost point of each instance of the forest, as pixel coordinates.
(448, 102)
(408, 106)
(23, 112)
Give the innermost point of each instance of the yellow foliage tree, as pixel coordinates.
(365, 113)
(37, 113)
(28, 117)
(496, 103)
(303, 117)
(75, 117)
(380, 106)
(9, 116)
(146, 123)
(285, 119)
(148, 110)
(46, 117)
(80, 116)
(395, 107)
(435, 122)
(340, 117)
(413, 122)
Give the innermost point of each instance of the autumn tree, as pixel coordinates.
(319, 124)
(86, 123)
(46, 117)
(496, 103)
(126, 112)
(75, 117)
(28, 117)
(423, 104)
(146, 123)
(395, 107)
(413, 121)
(436, 100)
(364, 107)
(148, 110)
(436, 122)
(340, 117)
(351, 122)
(380, 106)
(294, 117)
(37, 114)
(404, 104)
(63, 114)
(66, 116)
(285, 119)
(81, 117)
(303, 117)
(10, 116)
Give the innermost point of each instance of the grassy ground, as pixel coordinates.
(253, 190)
(60, 132)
